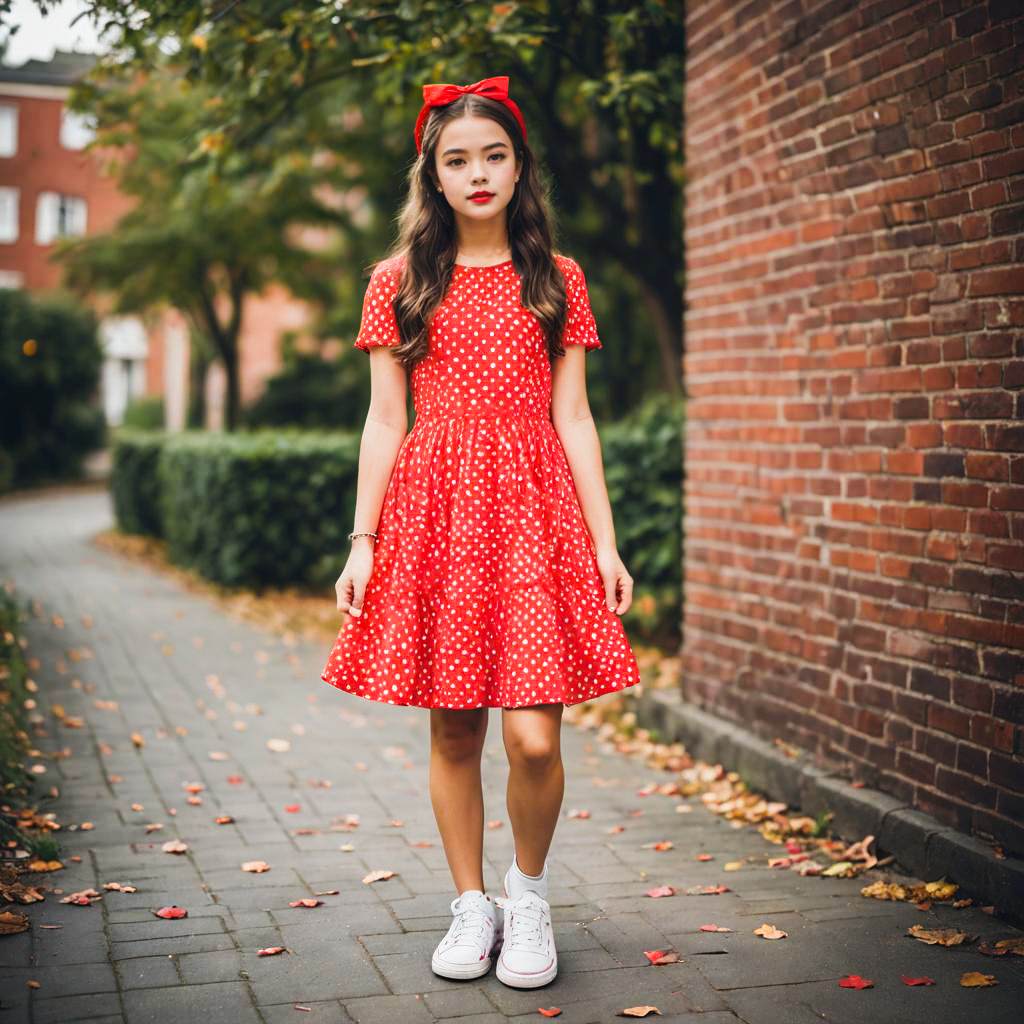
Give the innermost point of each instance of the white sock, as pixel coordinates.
(519, 881)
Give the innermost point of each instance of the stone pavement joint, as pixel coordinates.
(173, 660)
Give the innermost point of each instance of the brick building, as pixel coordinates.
(854, 505)
(50, 186)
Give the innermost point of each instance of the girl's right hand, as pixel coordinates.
(352, 582)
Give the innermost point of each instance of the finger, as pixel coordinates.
(609, 592)
(357, 603)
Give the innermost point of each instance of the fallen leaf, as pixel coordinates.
(255, 866)
(578, 812)
(279, 746)
(940, 936)
(661, 890)
(223, 819)
(975, 979)
(661, 956)
(293, 808)
(11, 923)
(733, 865)
(346, 847)
(380, 875)
(306, 903)
(615, 829)
(1003, 947)
(855, 981)
(174, 846)
(917, 981)
(551, 1011)
(769, 931)
(271, 950)
(638, 1011)
(664, 844)
(705, 856)
(713, 928)
(707, 890)
(173, 911)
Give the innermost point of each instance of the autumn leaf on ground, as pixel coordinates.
(118, 887)
(223, 819)
(138, 740)
(380, 875)
(174, 846)
(218, 755)
(44, 865)
(841, 868)
(975, 979)
(637, 1011)
(1002, 947)
(279, 746)
(83, 898)
(615, 829)
(272, 950)
(855, 981)
(396, 823)
(661, 890)
(940, 936)
(707, 890)
(705, 856)
(11, 923)
(664, 844)
(916, 981)
(235, 780)
(293, 808)
(578, 812)
(153, 826)
(171, 912)
(551, 1011)
(255, 866)
(713, 928)
(306, 903)
(193, 787)
(733, 865)
(661, 956)
(769, 931)
(346, 847)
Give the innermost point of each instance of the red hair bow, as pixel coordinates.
(439, 94)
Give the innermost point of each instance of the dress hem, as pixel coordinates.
(434, 707)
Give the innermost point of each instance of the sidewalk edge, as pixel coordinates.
(924, 846)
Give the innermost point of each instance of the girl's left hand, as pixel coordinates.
(618, 584)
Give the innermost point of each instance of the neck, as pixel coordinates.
(481, 241)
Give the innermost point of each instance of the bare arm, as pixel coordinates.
(383, 433)
(574, 424)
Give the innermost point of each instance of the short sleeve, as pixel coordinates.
(580, 327)
(378, 325)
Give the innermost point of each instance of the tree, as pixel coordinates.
(600, 82)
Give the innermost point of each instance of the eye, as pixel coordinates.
(454, 161)
(500, 156)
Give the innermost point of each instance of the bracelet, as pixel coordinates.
(364, 533)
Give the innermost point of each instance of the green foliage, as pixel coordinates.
(14, 742)
(643, 461)
(254, 510)
(50, 361)
(134, 484)
(144, 413)
(312, 392)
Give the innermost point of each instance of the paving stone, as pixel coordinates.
(150, 971)
(409, 1009)
(203, 968)
(329, 1011)
(76, 1008)
(458, 1003)
(222, 1001)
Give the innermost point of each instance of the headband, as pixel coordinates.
(440, 94)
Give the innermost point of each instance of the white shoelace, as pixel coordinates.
(469, 920)
(524, 920)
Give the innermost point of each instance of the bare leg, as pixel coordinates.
(536, 779)
(456, 791)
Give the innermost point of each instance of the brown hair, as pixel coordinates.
(426, 237)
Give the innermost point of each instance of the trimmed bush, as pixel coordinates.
(134, 484)
(50, 360)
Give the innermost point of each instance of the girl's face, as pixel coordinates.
(474, 155)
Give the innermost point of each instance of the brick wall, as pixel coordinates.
(854, 503)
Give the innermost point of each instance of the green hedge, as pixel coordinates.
(14, 741)
(273, 507)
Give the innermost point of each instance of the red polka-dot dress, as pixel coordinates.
(485, 590)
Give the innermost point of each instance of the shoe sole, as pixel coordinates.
(461, 972)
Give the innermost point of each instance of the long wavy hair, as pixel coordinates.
(426, 237)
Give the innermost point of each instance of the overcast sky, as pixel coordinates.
(38, 36)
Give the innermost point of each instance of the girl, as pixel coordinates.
(483, 570)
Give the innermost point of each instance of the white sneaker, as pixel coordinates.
(467, 948)
(528, 958)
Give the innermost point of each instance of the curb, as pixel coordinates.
(923, 845)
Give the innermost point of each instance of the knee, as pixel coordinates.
(534, 753)
(456, 740)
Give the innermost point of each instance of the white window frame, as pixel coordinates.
(10, 202)
(76, 130)
(8, 138)
(54, 207)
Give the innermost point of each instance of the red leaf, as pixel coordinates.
(293, 808)
(270, 950)
(661, 890)
(661, 956)
(172, 911)
(917, 981)
(305, 903)
(705, 856)
(713, 928)
(855, 981)
(550, 1011)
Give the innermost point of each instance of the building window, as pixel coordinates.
(11, 278)
(76, 130)
(58, 215)
(8, 214)
(8, 130)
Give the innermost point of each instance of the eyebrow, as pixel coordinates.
(489, 145)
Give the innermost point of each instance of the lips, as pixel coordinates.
(480, 195)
